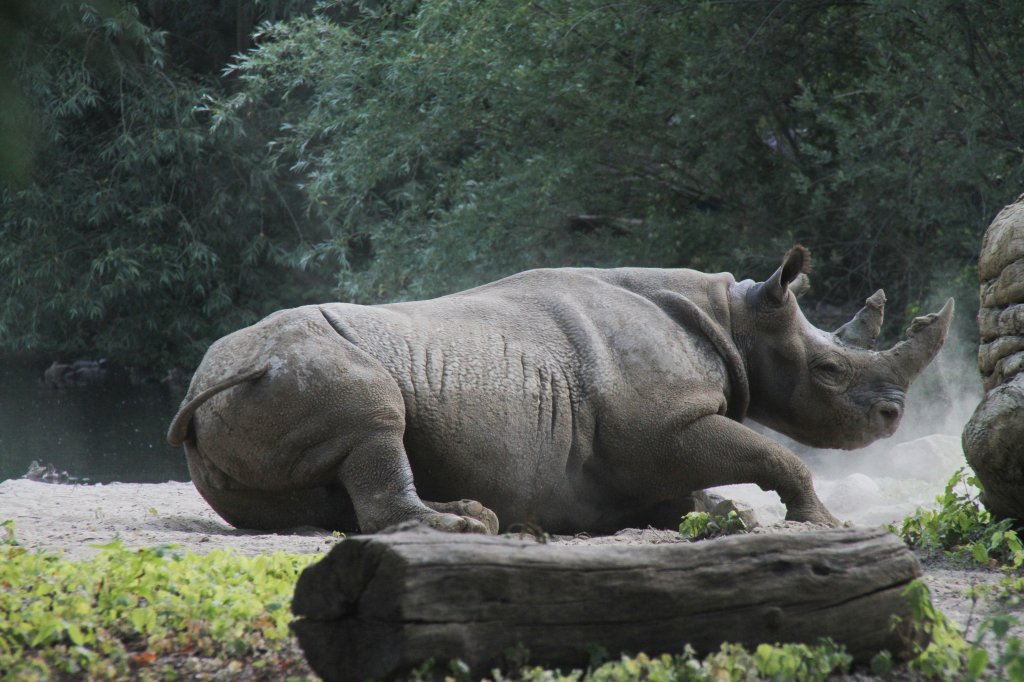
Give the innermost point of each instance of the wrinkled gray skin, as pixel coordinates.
(572, 399)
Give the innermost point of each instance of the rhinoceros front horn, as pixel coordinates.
(925, 337)
(863, 329)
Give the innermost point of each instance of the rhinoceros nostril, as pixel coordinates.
(888, 411)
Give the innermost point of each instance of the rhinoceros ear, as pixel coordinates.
(797, 262)
(801, 285)
(863, 329)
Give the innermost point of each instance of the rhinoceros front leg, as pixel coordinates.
(720, 451)
(377, 476)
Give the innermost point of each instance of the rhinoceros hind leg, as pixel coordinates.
(377, 476)
(468, 508)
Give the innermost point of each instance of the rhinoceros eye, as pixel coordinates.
(830, 371)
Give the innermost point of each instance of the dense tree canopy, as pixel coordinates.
(196, 169)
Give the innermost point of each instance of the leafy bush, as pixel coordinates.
(1009, 660)
(731, 663)
(124, 609)
(702, 525)
(961, 526)
(389, 150)
(140, 235)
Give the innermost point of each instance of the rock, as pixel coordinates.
(931, 458)
(49, 473)
(993, 439)
(1003, 243)
(58, 375)
(743, 510)
(77, 373)
(852, 494)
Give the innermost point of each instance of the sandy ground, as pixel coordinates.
(76, 519)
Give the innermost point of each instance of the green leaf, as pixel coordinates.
(881, 663)
(75, 635)
(977, 661)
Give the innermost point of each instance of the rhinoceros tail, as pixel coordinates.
(178, 431)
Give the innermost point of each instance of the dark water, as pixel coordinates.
(110, 432)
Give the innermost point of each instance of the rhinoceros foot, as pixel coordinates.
(448, 522)
(812, 514)
(482, 519)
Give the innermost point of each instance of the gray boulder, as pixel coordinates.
(993, 439)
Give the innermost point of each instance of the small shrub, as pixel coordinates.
(702, 525)
(1009, 660)
(962, 527)
(944, 656)
(125, 609)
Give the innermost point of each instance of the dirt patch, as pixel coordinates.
(77, 519)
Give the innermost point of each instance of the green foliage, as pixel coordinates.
(140, 235)
(448, 142)
(702, 525)
(7, 526)
(126, 609)
(1009, 660)
(943, 657)
(375, 151)
(731, 663)
(948, 656)
(961, 526)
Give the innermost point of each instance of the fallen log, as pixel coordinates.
(377, 606)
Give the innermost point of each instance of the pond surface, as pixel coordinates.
(114, 431)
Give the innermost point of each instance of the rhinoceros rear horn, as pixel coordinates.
(925, 337)
(863, 329)
(796, 263)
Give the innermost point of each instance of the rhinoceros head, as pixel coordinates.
(827, 389)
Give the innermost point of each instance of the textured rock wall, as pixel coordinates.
(994, 437)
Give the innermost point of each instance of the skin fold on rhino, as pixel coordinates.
(573, 399)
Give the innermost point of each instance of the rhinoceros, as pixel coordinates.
(574, 399)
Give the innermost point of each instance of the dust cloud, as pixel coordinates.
(891, 478)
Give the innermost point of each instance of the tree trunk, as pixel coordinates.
(380, 605)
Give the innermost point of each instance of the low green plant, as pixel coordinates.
(946, 652)
(1009, 659)
(7, 528)
(961, 526)
(125, 610)
(731, 663)
(702, 525)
